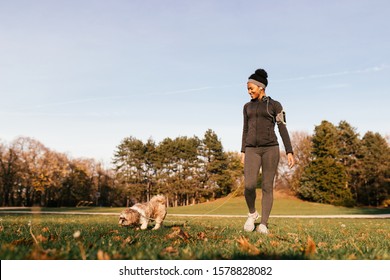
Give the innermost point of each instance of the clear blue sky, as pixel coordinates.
(81, 75)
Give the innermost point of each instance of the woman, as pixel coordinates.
(260, 147)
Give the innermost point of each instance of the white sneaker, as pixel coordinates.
(262, 229)
(250, 222)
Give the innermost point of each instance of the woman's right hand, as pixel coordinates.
(291, 160)
(242, 158)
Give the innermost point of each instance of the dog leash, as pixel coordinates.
(216, 208)
(230, 196)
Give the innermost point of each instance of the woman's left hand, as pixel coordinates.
(291, 160)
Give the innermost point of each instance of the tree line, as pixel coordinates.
(334, 165)
(337, 166)
(32, 174)
(187, 170)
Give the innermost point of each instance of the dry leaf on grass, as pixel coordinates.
(247, 247)
(202, 236)
(310, 247)
(116, 238)
(40, 238)
(45, 229)
(102, 255)
(322, 245)
(178, 232)
(23, 241)
(337, 246)
(170, 251)
(128, 240)
(39, 254)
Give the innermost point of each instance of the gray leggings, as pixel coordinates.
(268, 159)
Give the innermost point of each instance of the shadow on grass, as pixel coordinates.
(370, 211)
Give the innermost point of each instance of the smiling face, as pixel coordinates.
(255, 91)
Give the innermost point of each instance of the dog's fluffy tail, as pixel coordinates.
(159, 199)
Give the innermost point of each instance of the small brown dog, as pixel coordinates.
(142, 213)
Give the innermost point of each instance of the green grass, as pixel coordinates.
(283, 205)
(26, 236)
(53, 236)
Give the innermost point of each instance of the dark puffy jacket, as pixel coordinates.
(260, 117)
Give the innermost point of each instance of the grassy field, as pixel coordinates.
(283, 205)
(49, 236)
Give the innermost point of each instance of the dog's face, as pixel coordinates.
(129, 217)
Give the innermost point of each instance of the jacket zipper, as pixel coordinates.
(257, 117)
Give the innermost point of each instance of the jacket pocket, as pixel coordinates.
(271, 136)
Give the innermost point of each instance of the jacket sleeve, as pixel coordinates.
(283, 129)
(244, 130)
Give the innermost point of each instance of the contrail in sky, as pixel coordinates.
(199, 89)
(86, 100)
(190, 90)
(343, 73)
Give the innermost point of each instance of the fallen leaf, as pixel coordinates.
(116, 238)
(337, 246)
(23, 241)
(45, 229)
(202, 236)
(178, 232)
(102, 255)
(39, 254)
(322, 244)
(41, 238)
(247, 247)
(170, 250)
(128, 240)
(82, 251)
(177, 242)
(310, 247)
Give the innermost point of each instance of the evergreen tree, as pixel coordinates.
(150, 167)
(324, 180)
(375, 178)
(350, 153)
(216, 165)
(179, 168)
(129, 161)
(236, 172)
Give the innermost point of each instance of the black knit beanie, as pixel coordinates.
(260, 76)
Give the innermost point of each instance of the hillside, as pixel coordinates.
(283, 205)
